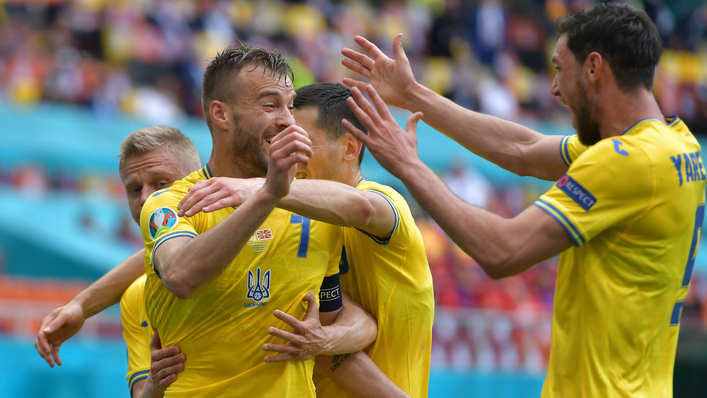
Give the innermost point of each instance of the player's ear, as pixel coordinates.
(353, 147)
(593, 67)
(218, 113)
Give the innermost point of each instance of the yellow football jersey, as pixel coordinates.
(391, 279)
(634, 206)
(137, 331)
(222, 328)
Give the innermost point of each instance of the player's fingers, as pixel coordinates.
(382, 109)
(370, 48)
(287, 137)
(292, 153)
(194, 189)
(55, 354)
(398, 47)
(41, 350)
(360, 135)
(356, 67)
(293, 322)
(362, 117)
(411, 125)
(282, 348)
(188, 208)
(351, 83)
(220, 204)
(164, 383)
(312, 307)
(167, 363)
(366, 106)
(155, 343)
(361, 59)
(158, 355)
(281, 358)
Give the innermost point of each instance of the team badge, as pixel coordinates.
(162, 219)
(258, 290)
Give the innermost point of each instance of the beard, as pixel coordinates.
(250, 155)
(585, 116)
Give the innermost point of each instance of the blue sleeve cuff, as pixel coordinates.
(164, 239)
(384, 240)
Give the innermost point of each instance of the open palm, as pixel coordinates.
(392, 78)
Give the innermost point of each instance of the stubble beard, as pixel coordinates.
(249, 156)
(585, 115)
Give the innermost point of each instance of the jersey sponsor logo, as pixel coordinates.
(689, 166)
(258, 290)
(162, 219)
(577, 192)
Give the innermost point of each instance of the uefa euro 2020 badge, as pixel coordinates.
(258, 290)
(162, 219)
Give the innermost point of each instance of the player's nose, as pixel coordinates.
(285, 118)
(555, 88)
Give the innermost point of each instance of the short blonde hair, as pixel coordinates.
(154, 138)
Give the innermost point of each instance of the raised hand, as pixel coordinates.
(392, 78)
(57, 327)
(394, 148)
(288, 148)
(217, 193)
(307, 341)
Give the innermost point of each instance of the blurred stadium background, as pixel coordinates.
(77, 76)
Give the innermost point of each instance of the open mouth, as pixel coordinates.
(268, 139)
(301, 176)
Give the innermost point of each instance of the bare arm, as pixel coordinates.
(514, 147)
(359, 376)
(165, 364)
(327, 201)
(502, 247)
(66, 321)
(327, 333)
(187, 264)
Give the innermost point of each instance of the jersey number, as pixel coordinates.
(304, 236)
(699, 218)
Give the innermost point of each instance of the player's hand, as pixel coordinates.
(56, 328)
(392, 78)
(166, 363)
(394, 148)
(288, 148)
(217, 193)
(308, 340)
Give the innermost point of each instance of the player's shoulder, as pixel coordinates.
(395, 196)
(134, 294)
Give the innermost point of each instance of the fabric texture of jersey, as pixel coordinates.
(137, 331)
(633, 205)
(391, 279)
(222, 328)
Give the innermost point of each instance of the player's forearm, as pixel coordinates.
(353, 330)
(483, 235)
(204, 258)
(359, 376)
(146, 389)
(330, 202)
(510, 145)
(110, 287)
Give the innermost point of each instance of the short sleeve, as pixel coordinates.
(159, 222)
(336, 245)
(571, 148)
(136, 330)
(608, 185)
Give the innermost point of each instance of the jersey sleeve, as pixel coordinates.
(607, 186)
(159, 223)
(571, 148)
(134, 334)
(402, 232)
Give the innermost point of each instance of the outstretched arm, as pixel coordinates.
(186, 264)
(514, 147)
(501, 246)
(66, 321)
(327, 201)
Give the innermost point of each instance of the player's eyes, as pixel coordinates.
(162, 183)
(136, 190)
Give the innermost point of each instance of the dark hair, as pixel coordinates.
(622, 35)
(330, 101)
(228, 63)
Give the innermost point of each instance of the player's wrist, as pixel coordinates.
(414, 96)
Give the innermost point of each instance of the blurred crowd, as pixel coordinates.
(147, 57)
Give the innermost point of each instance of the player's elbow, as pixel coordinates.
(496, 266)
(366, 212)
(181, 286)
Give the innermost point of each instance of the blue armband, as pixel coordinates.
(330, 294)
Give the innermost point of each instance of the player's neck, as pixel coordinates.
(625, 110)
(352, 177)
(225, 166)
